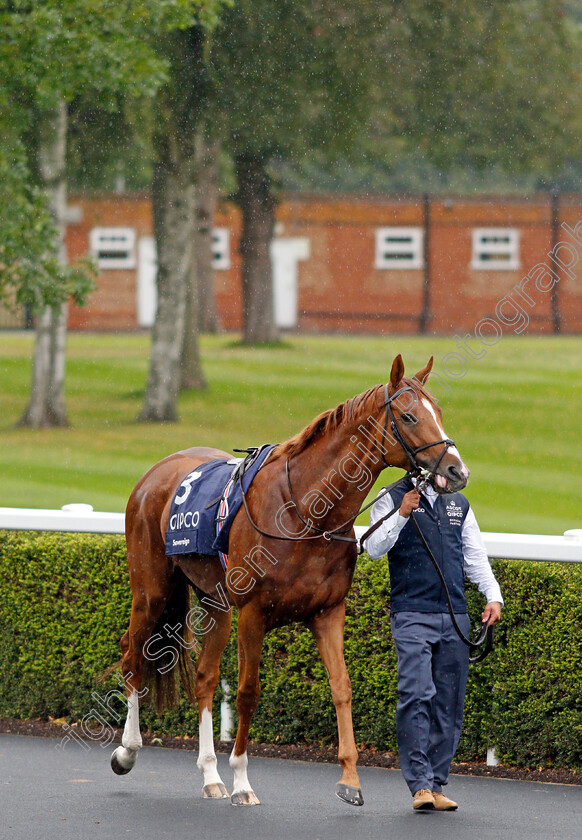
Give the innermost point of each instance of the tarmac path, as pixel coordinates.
(71, 794)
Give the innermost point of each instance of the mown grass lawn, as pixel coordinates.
(516, 416)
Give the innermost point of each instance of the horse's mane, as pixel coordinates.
(327, 421)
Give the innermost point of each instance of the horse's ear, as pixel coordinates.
(397, 371)
(423, 374)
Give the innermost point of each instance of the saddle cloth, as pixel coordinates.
(207, 502)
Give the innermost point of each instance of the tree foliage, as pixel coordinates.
(292, 75)
(478, 96)
(51, 54)
(30, 272)
(489, 82)
(478, 85)
(288, 77)
(80, 51)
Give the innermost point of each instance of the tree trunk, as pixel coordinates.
(206, 201)
(47, 398)
(257, 206)
(178, 115)
(173, 215)
(191, 375)
(200, 302)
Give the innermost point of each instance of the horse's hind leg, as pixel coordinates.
(328, 629)
(124, 757)
(214, 641)
(149, 600)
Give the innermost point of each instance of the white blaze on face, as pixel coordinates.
(452, 449)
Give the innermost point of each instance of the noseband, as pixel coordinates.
(411, 452)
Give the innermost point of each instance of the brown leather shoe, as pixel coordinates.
(443, 803)
(423, 800)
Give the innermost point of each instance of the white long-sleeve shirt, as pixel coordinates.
(475, 561)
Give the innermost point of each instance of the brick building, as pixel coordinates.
(361, 264)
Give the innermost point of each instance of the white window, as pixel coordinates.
(221, 248)
(495, 248)
(113, 247)
(399, 247)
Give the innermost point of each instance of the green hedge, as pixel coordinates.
(64, 603)
(65, 599)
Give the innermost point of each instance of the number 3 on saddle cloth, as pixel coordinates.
(207, 502)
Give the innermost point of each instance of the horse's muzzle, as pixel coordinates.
(457, 476)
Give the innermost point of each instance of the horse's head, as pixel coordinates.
(416, 426)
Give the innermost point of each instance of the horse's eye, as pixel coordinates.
(408, 418)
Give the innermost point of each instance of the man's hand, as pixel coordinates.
(409, 503)
(492, 612)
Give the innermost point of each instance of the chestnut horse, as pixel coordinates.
(292, 555)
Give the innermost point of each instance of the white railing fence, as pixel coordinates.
(81, 518)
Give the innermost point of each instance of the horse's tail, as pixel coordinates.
(167, 661)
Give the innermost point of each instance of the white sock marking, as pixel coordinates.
(206, 756)
(131, 738)
(239, 765)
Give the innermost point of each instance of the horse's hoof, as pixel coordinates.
(351, 795)
(122, 760)
(215, 791)
(245, 797)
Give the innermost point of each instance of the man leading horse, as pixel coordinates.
(433, 662)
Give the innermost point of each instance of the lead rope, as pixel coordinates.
(484, 637)
(335, 534)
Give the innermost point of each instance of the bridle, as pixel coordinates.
(411, 452)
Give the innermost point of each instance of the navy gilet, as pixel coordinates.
(415, 584)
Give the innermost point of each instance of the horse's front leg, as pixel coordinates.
(251, 632)
(207, 675)
(328, 629)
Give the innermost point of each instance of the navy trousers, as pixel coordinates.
(433, 665)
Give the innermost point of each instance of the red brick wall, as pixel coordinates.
(339, 288)
(460, 295)
(113, 304)
(227, 283)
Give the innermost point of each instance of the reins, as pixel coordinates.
(484, 637)
(337, 533)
